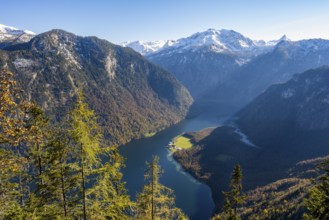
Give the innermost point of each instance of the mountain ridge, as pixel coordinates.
(132, 96)
(204, 59)
(222, 40)
(11, 35)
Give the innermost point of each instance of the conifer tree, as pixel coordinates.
(49, 172)
(234, 198)
(318, 202)
(156, 201)
(113, 201)
(57, 195)
(86, 136)
(102, 192)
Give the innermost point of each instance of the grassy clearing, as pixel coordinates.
(147, 135)
(183, 142)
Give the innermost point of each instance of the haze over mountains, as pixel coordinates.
(286, 124)
(203, 59)
(225, 66)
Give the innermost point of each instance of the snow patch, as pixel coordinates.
(146, 47)
(287, 94)
(326, 100)
(13, 31)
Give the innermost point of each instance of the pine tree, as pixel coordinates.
(156, 201)
(318, 202)
(56, 196)
(234, 198)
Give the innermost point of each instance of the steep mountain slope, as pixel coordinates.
(284, 198)
(132, 97)
(278, 66)
(10, 35)
(287, 123)
(203, 59)
(301, 105)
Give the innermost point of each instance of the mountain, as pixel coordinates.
(277, 66)
(288, 123)
(301, 105)
(204, 59)
(132, 97)
(284, 198)
(146, 48)
(10, 35)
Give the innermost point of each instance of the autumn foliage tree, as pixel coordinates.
(12, 132)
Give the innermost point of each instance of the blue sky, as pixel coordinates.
(122, 20)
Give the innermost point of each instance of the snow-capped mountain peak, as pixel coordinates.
(146, 47)
(219, 41)
(13, 31)
(10, 35)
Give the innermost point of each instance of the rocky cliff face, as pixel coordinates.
(131, 96)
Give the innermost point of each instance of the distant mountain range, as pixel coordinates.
(11, 35)
(204, 59)
(277, 66)
(132, 97)
(219, 41)
(224, 66)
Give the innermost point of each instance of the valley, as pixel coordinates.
(225, 98)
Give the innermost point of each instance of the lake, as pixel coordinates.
(192, 197)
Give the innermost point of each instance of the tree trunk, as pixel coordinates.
(63, 192)
(83, 188)
(153, 211)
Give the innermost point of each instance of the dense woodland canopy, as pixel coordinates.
(65, 170)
